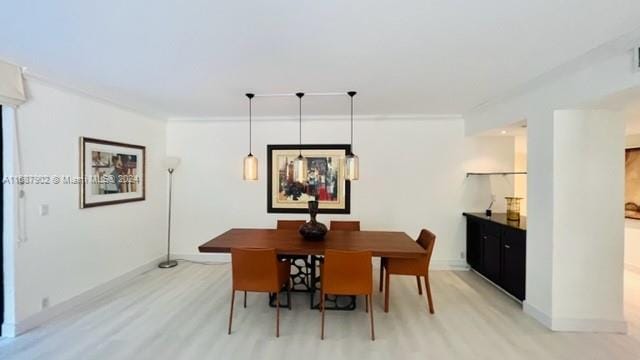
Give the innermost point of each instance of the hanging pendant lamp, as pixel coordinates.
(352, 167)
(250, 162)
(300, 163)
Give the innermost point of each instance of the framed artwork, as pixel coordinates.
(324, 181)
(111, 172)
(632, 183)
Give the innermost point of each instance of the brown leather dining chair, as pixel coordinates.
(289, 224)
(415, 267)
(347, 273)
(344, 225)
(259, 270)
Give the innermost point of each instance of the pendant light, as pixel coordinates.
(250, 162)
(351, 168)
(300, 163)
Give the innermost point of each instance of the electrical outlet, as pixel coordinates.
(44, 209)
(45, 302)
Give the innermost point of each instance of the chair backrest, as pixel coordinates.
(289, 224)
(254, 269)
(344, 225)
(427, 240)
(347, 272)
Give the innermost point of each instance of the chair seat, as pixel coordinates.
(416, 267)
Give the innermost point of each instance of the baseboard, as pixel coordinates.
(590, 325)
(35, 320)
(450, 265)
(575, 325)
(632, 267)
(204, 257)
(537, 314)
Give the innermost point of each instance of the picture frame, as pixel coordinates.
(325, 174)
(632, 183)
(111, 172)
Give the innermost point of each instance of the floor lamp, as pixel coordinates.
(171, 163)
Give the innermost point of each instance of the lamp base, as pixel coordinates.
(168, 264)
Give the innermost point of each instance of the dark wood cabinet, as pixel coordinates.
(513, 262)
(496, 249)
(491, 248)
(474, 248)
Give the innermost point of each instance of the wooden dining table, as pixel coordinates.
(387, 244)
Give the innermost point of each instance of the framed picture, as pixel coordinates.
(324, 180)
(632, 183)
(111, 172)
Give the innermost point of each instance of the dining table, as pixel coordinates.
(289, 243)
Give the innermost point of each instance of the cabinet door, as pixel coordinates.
(474, 243)
(514, 263)
(491, 246)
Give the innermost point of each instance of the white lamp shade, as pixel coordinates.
(351, 167)
(250, 171)
(300, 169)
(171, 162)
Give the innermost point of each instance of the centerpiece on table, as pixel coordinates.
(312, 229)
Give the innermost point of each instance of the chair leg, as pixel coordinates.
(233, 297)
(370, 301)
(322, 315)
(381, 273)
(419, 285)
(245, 299)
(289, 295)
(277, 315)
(387, 284)
(427, 285)
(366, 303)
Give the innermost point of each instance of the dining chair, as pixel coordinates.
(415, 267)
(289, 224)
(259, 270)
(344, 225)
(347, 273)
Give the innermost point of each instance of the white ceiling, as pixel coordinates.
(197, 58)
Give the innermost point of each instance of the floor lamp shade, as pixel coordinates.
(171, 162)
(250, 171)
(351, 168)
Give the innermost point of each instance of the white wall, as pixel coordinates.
(73, 250)
(520, 164)
(412, 175)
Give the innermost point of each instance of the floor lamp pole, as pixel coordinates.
(169, 263)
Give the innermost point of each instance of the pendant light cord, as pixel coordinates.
(351, 95)
(300, 95)
(250, 96)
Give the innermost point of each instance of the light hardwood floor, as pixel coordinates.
(182, 313)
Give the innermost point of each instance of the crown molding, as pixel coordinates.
(423, 117)
(31, 76)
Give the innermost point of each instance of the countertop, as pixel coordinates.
(501, 218)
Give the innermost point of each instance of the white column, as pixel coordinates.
(588, 221)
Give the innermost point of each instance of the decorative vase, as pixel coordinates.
(313, 230)
(513, 208)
